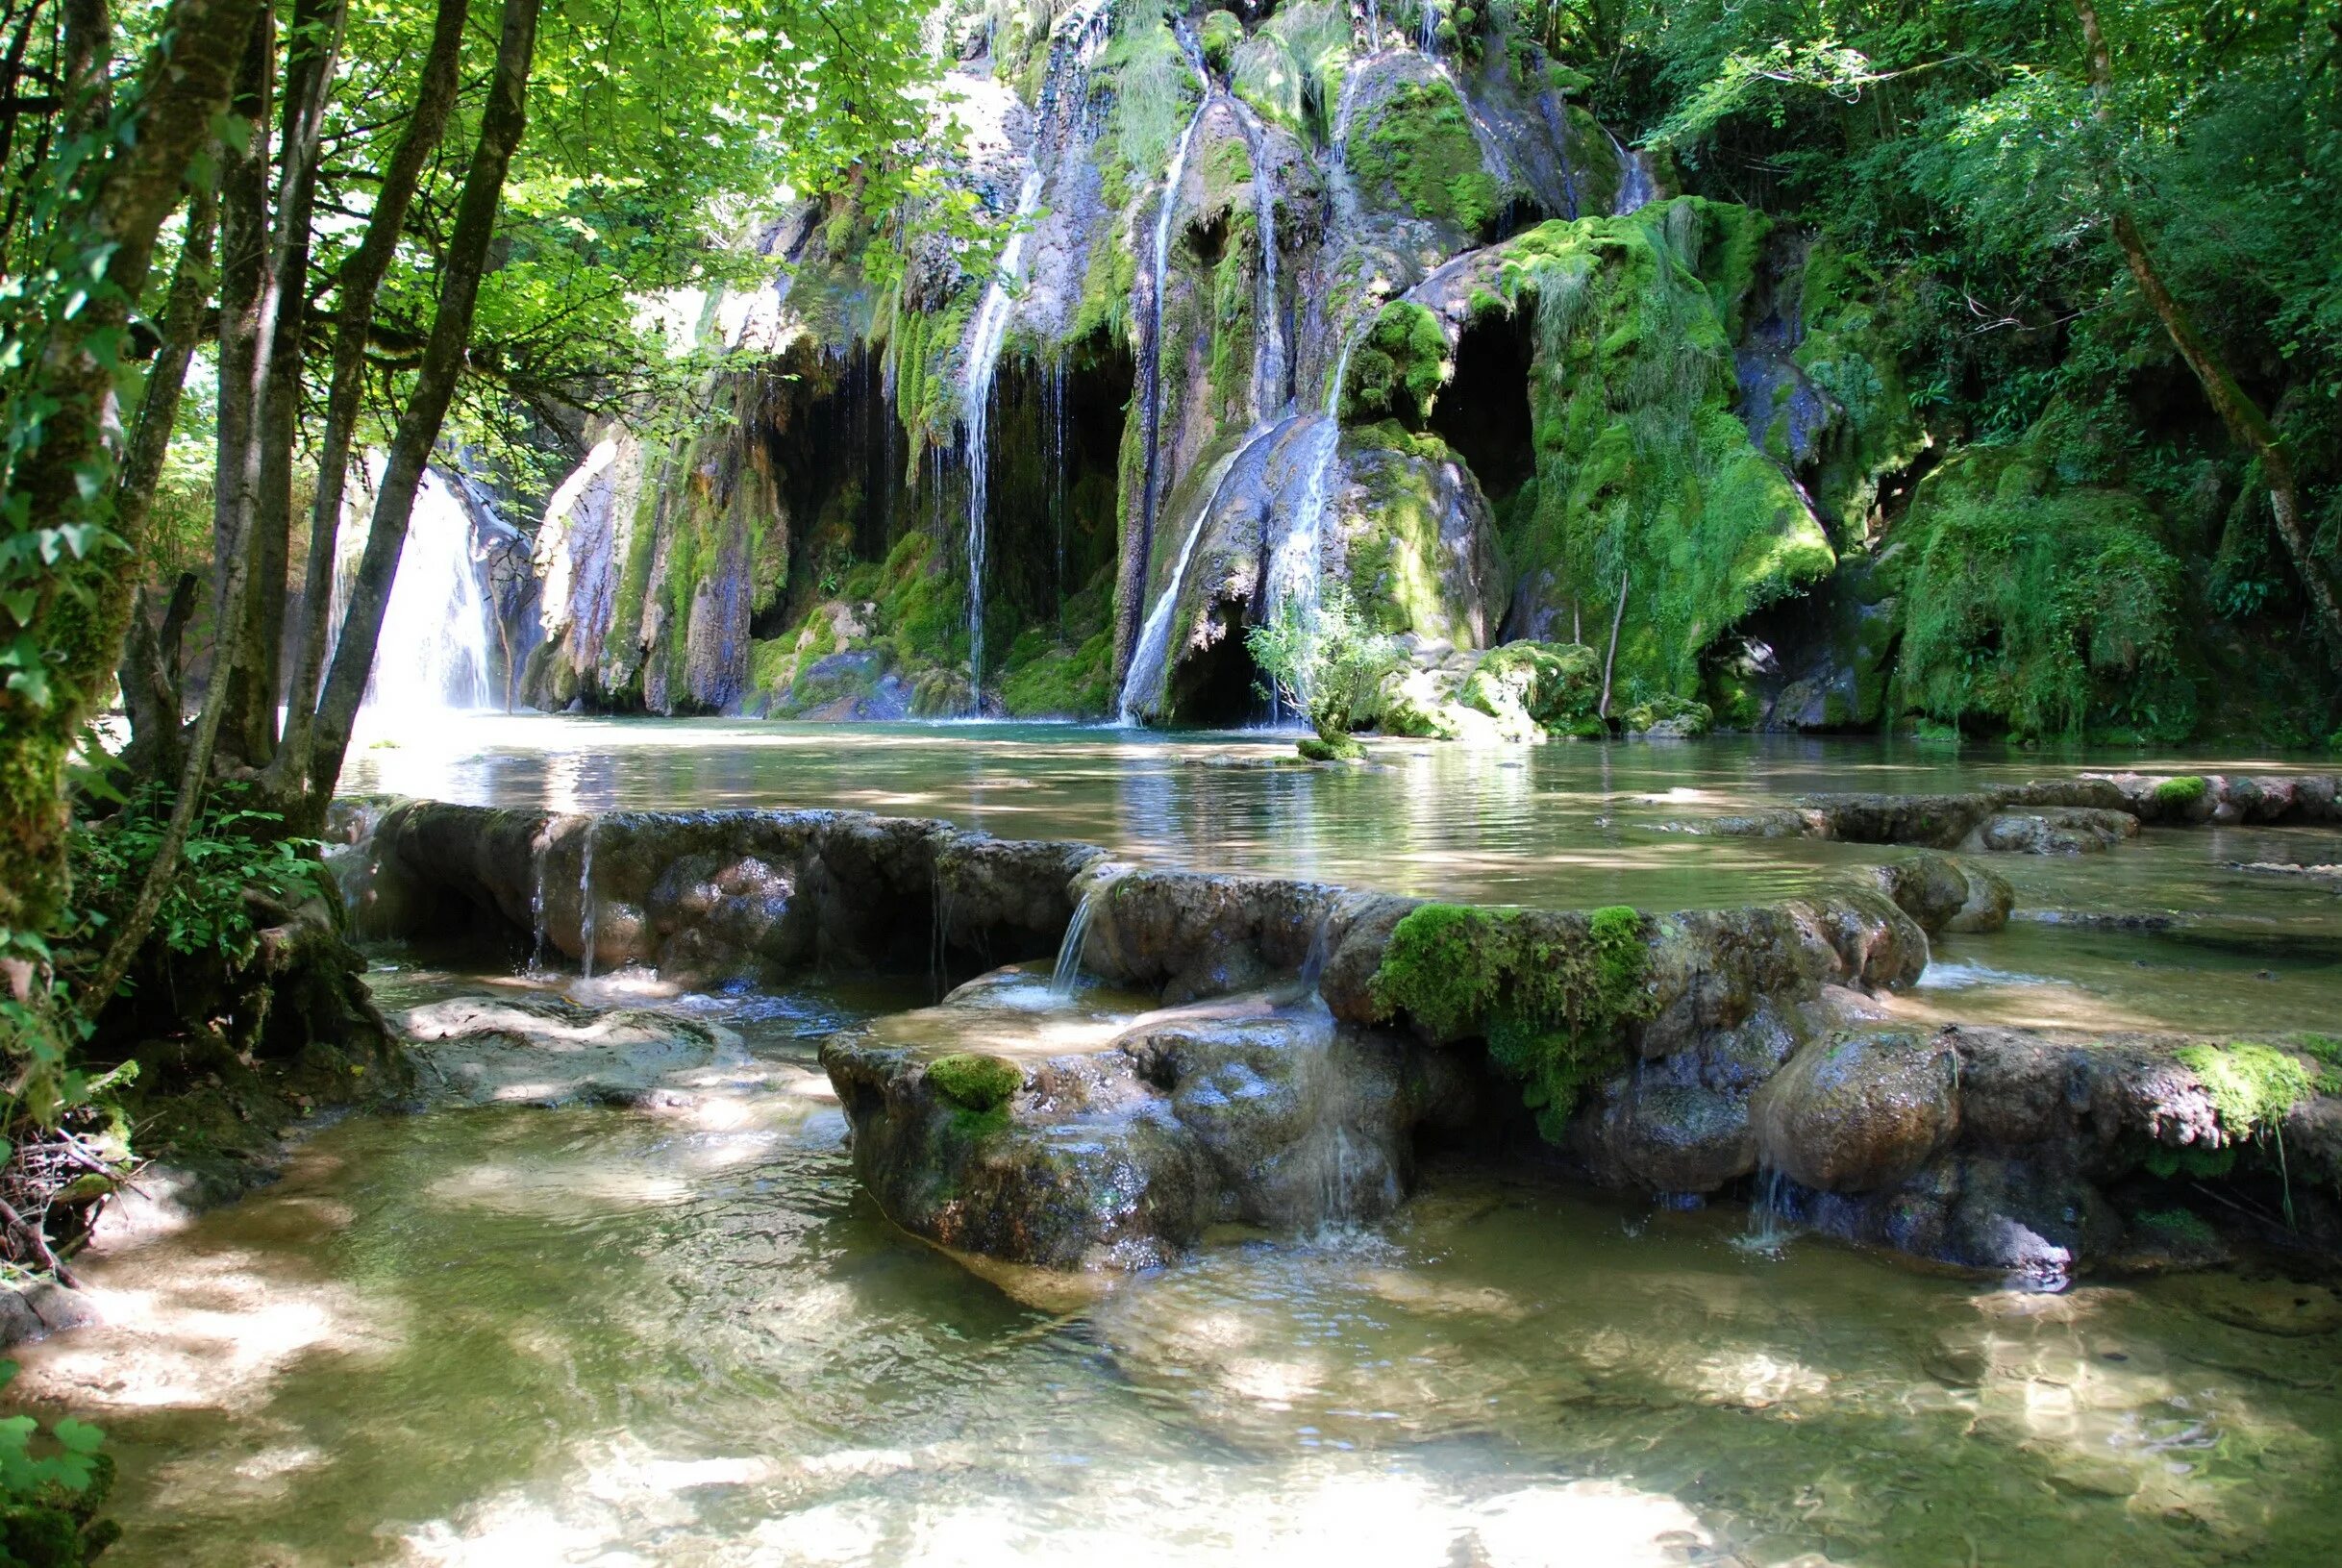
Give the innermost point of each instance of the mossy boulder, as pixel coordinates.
(1397, 371)
(1415, 152)
(1667, 717)
(1647, 485)
(1549, 686)
(975, 1080)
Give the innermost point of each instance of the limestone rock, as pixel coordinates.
(1859, 1112)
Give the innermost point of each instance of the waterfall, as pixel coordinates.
(1167, 208)
(1152, 656)
(585, 903)
(975, 411)
(432, 655)
(1066, 978)
(1636, 186)
(1769, 1226)
(1079, 37)
(1270, 369)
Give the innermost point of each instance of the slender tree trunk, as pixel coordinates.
(312, 48)
(150, 685)
(183, 312)
(247, 323)
(2247, 426)
(1609, 659)
(129, 933)
(360, 281)
(81, 613)
(501, 124)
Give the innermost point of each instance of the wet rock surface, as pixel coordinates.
(1115, 1143)
(1283, 1087)
(2053, 817)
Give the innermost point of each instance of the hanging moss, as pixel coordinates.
(1554, 685)
(1221, 32)
(1549, 993)
(1847, 355)
(1419, 150)
(1145, 77)
(1646, 475)
(1398, 371)
(2038, 608)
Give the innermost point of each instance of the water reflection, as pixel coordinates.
(2136, 940)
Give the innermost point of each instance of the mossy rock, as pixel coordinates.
(1550, 993)
(1222, 32)
(2037, 608)
(1667, 716)
(1398, 371)
(1417, 151)
(975, 1082)
(1331, 749)
(1555, 686)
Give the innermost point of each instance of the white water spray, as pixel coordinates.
(433, 651)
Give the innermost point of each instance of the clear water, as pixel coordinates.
(1566, 826)
(510, 1336)
(518, 1337)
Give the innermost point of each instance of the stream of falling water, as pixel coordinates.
(1151, 657)
(432, 653)
(1150, 496)
(1079, 37)
(1270, 369)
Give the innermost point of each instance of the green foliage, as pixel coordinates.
(1221, 32)
(2185, 790)
(1549, 993)
(1398, 368)
(2039, 609)
(1324, 660)
(979, 1082)
(1555, 686)
(52, 1486)
(2250, 1085)
(1419, 149)
(231, 855)
(1290, 69)
(1647, 482)
(1152, 89)
(2326, 1050)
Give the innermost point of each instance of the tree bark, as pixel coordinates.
(184, 87)
(183, 324)
(312, 51)
(2247, 426)
(501, 124)
(361, 282)
(247, 321)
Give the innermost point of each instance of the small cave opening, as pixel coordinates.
(1220, 686)
(1051, 519)
(1483, 413)
(834, 449)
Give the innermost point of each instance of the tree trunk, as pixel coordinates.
(2247, 426)
(84, 609)
(312, 49)
(150, 441)
(247, 322)
(360, 281)
(501, 123)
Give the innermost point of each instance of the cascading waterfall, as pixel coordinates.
(1080, 35)
(433, 651)
(1638, 188)
(1149, 658)
(1066, 978)
(1271, 371)
(585, 903)
(1159, 273)
(991, 328)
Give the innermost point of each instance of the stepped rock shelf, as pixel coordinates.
(1278, 1053)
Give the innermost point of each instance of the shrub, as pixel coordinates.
(51, 1487)
(1326, 661)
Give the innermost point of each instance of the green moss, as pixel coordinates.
(2186, 789)
(1646, 475)
(1681, 713)
(1553, 685)
(2182, 1225)
(2327, 1051)
(1146, 78)
(1222, 32)
(1419, 151)
(977, 1082)
(1398, 371)
(1060, 683)
(1330, 748)
(1550, 993)
(2038, 608)
(2250, 1085)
